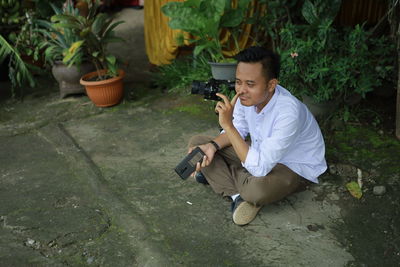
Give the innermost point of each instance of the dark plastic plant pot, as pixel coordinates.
(223, 71)
(319, 110)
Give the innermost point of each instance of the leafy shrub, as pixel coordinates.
(179, 75)
(329, 64)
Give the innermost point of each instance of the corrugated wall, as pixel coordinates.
(353, 12)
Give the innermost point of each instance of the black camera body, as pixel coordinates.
(210, 88)
(188, 165)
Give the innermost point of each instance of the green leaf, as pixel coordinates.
(18, 69)
(232, 18)
(170, 9)
(309, 12)
(75, 46)
(72, 53)
(66, 18)
(197, 50)
(19, 77)
(110, 29)
(193, 3)
(101, 23)
(243, 4)
(111, 59)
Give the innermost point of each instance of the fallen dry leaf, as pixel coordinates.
(354, 189)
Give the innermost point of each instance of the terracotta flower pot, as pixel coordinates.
(104, 93)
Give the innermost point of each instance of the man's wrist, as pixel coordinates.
(217, 147)
(229, 128)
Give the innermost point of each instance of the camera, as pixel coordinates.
(188, 165)
(210, 88)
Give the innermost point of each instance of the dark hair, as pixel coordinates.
(270, 61)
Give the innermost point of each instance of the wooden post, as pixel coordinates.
(398, 85)
(394, 22)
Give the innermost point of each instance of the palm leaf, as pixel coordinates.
(19, 72)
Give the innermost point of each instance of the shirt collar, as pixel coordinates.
(271, 102)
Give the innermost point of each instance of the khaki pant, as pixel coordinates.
(227, 177)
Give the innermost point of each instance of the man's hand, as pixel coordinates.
(225, 110)
(209, 150)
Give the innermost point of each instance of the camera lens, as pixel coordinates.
(198, 87)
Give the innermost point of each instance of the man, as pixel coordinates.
(286, 148)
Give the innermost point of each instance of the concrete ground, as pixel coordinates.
(81, 185)
(88, 186)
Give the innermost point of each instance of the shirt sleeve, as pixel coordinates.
(261, 159)
(239, 120)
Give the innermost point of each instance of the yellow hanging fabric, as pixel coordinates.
(161, 46)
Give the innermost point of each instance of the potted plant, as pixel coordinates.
(327, 66)
(96, 30)
(56, 42)
(204, 20)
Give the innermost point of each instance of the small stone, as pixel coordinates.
(315, 227)
(332, 169)
(90, 260)
(318, 189)
(379, 190)
(333, 196)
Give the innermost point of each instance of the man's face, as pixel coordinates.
(252, 86)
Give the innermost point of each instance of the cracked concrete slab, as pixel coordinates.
(138, 152)
(100, 189)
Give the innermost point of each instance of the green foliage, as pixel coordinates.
(45, 8)
(179, 75)
(57, 40)
(95, 32)
(11, 13)
(18, 70)
(315, 12)
(267, 25)
(204, 19)
(28, 39)
(327, 64)
(18, 38)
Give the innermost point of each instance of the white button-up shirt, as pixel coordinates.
(285, 132)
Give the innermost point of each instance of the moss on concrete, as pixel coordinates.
(367, 149)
